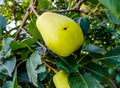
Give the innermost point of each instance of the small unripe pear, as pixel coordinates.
(61, 80)
(61, 34)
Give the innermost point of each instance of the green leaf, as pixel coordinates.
(98, 71)
(42, 76)
(113, 6)
(41, 69)
(3, 72)
(34, 31)
(29, 41)
(23, 77)
(40, 85)
(32, 74)
(84, 23)
(43, 4)
(67, 64)
(7, 54)
(113, 56)
(6, 44)
(76, 80)
(15, 83)
(95, 2)
(40, 50)
(10, 64)
(25, 53)
(8, 84)
(32, 64)
(42, 72)
(17, 45)
(118, 78)
(84, 80)
(94, 49)
(1, 54)
(7, 67)
(112, 18)
(3, 24)
(35, 60)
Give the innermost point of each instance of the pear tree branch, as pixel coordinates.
(75, 9)
(25, 19)
(22, 24)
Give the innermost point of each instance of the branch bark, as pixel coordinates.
(22, 24)
(62, 11)
(75, 9)
(25, 19)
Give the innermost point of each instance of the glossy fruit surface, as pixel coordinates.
(61, 80)
(61, 34)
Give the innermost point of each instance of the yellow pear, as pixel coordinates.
(61, 80)
(61, 34)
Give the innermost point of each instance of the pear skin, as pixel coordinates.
(61, 34)
(61, 80)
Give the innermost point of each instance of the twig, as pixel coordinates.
(80, 3)
(54, 70)
(75, 9)
(25, 18)
(112, 83)
(32, 8)
(44, 48)
(22, 24)
(62, 11)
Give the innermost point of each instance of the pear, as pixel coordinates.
(61, 34)
(61, 80)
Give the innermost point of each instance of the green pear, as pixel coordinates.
(61, 34)
(61, 80)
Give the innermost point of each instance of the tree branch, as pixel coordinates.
(75, 9)
(80, 3)
(25, 18)
(62, 11)
(112, 83)
(22, 24)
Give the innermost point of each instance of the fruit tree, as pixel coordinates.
(59, 43)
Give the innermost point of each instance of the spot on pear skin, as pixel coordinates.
(65, 28)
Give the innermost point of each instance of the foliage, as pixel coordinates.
(24, 62)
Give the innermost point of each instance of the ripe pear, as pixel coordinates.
(61, 80)
(61, 34)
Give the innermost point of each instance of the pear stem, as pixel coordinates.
(54, 70)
